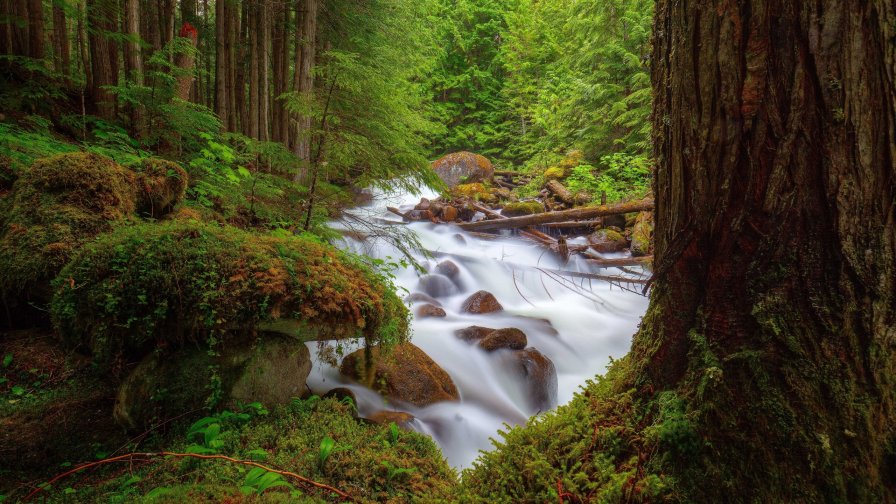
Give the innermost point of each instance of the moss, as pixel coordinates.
(370, 462)
(57, 205)
(162, 185)
(594, 449)
(522, 208)
(555, 173)
(478, 191)
(165, 284)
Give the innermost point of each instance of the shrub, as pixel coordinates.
(170, 283)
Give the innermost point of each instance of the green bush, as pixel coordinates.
(166, 284)
(621, 176)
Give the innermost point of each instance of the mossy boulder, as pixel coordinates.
(271, 371)
(166, 284)
(476, 191)
(642, 234)
(522, 208)
(162, 185)
(564, 168)
(405, 373)
(54, 207)
(607, 241)
(509, 338)
(463, 167)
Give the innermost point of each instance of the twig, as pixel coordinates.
(129, 457)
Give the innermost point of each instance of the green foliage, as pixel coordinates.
(31, 85)
(622, 176)
(23, 145)
(411, 468)
(176, 282)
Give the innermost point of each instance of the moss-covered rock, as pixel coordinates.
(55, 206)
(164, 284)
(642, 234)
(522, 208)
(162, 185)
(405, 373)
(465, 167)
(476, 191)
(271, 371)
(607, 240)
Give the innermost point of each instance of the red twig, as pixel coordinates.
(132, 456)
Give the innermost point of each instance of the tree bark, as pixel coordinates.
(306, 45)
(36, 32)
(133, 58)
(186, 63)
(222, 60)
(254, 84)
(101, 21)
(61, 48)
(264, 78)
(773, 312)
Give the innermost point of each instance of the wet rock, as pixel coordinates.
(448, 268)
(459, 238)
(271, 371)
(481, 302)
(437, 285)
(607, 241)
(522, 208)
(419, 215)
(467, 212)
(540, 377)
(509, 338)
(419, 297)
(429, 310)
(423, 205)
(473, 334)
(400, 418)
(405, 374)
(460, 167)
(642, 233)
(449, 213)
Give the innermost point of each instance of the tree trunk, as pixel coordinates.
(254, 91)
(559, 216)
(186, 63)
(242, 67)
(101, 21)
(222, 60)
(133, 59)
(306, 45)
(36, 29)
(61, 49)
(280, 49)
(264, 111)
(774, 308)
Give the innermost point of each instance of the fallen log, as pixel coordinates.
(622, 262)
(508, 173)
(565, 194)
(559, 216)
(528, 232)
(572, 224)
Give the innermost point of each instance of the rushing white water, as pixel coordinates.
(588, 323)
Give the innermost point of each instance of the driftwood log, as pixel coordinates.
(565, 195)
(559, 216)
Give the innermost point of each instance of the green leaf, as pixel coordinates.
(17, 390)
(7, 360)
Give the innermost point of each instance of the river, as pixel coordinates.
(589, 322)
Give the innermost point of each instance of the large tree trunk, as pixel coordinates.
(774, 308)
(133, 58)
(101, 15)
(222, 60)
(253, 55)
(61, 51)
(36, 29)
(306, 46)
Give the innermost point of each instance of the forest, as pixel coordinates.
(447, 251)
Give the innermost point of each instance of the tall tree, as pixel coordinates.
(36, 31)
(61, 48)
(774, 307)
(306, 48)
(222, 61)
(101, 16)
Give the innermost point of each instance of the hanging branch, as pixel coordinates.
(130, 457)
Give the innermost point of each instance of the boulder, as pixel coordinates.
(449, 213)
(642, 234)
(162, 185)
(437, 285)
(522, 208)
(448, 268)
(607, 240)
(419, 297)
(509, 338)
(481, 302)
(473, 334)
(429, 310)
(424, 204)
(404, 374)
(271, 371)
(400, 418)
(460, 167)
(419, 215)
(539, 375)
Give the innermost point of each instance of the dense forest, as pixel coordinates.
(447, 251)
